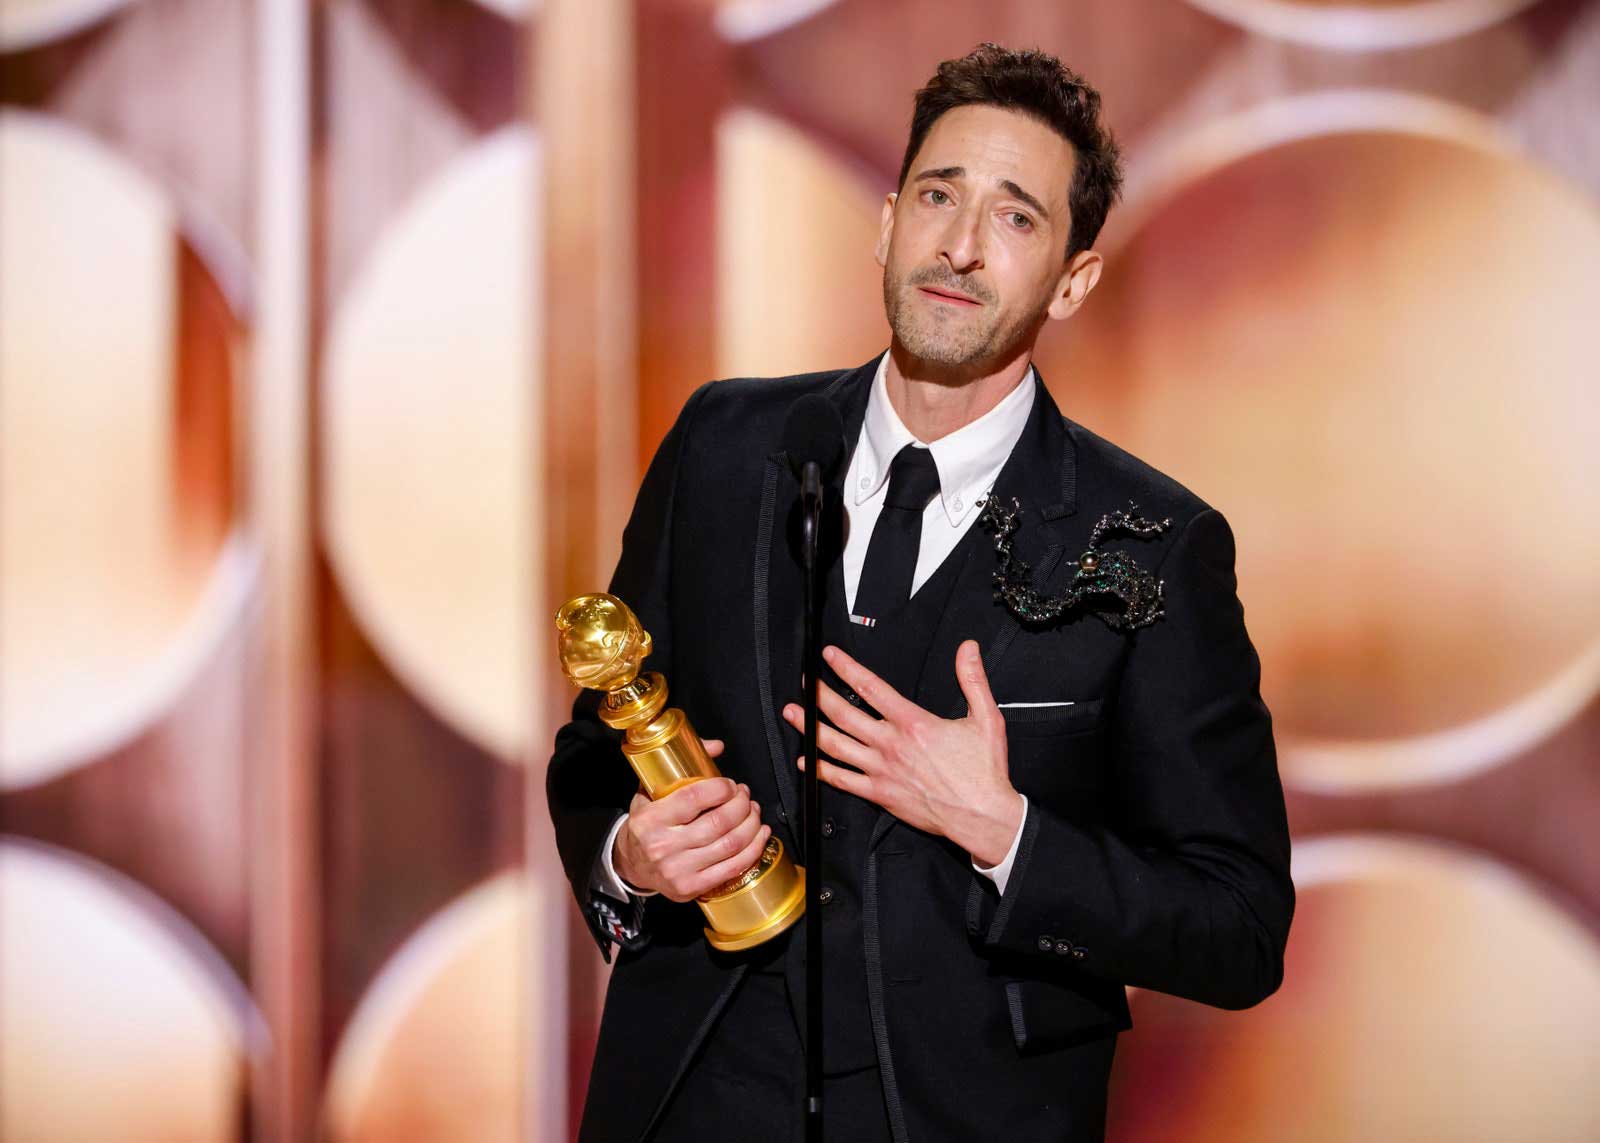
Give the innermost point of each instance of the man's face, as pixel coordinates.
(973, 247)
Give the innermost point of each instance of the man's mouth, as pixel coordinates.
(949, 296)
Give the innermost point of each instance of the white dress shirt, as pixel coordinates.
(968, 461)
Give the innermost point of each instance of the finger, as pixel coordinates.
(863, 727)
(725, 871)
(841, 779)
(712, 824)
(640, 801)
(686, 803)
(854, 721)
(878, 694)
(721, 847)
(835, 742)
(974, 683)
(846, 749)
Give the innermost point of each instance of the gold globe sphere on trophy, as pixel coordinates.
(602, 645)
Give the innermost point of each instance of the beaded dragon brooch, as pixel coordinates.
(1132, 597)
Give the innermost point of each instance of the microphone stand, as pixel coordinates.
(811, 500)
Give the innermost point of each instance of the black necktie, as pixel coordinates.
(892, 553)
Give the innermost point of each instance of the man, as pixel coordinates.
(1025, 812)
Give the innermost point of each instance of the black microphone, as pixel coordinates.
(813, 433)
(813, 436)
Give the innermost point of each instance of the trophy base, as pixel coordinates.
(792, 911)
(757, 909)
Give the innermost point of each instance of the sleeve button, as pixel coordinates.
(825, 895)
(1046, 944)
(1063, 948)
(1079, 953)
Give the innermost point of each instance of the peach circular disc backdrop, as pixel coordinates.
(797, 287)
(437, 1048)
(120, 1021)
(28, 23)
(1363, 329)
(111, 595)
(428, 438)
(1363, 25)
(511, 9)
(1429, 994)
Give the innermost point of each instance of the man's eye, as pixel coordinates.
(1020, 220)
(938, 197)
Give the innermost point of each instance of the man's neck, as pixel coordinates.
(934, 403)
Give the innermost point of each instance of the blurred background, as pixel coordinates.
(334, 337)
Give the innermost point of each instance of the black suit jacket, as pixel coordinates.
(1154, 853)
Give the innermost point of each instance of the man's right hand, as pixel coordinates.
(692, 840)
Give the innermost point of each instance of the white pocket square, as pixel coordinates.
(1030, 705)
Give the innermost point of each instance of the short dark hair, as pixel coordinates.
(1037, 84)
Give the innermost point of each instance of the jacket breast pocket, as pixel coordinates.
(1046, 720)
(1049, 1014)
(1057, 754)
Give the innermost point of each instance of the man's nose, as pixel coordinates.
(963, 242)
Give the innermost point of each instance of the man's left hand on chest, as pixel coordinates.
(946, 776)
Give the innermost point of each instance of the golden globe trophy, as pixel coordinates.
(601, 645)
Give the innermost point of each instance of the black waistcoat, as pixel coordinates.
(896, 649)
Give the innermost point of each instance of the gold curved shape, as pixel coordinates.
(1374, 25)
(429, 383)
(808, 250)
(1429, 993)
(468, 975)
(121, 1022)
(27, 24)
(1293, 324)
(121, 570)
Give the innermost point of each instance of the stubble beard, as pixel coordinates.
(957, 341)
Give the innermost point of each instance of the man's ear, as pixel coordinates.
(885, 229)
(1075, 283)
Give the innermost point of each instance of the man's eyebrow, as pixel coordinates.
(1013, 189)
(1007, 185)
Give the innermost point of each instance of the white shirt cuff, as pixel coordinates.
(606, 879)
(1001, 873)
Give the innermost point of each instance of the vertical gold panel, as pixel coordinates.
(587, 448)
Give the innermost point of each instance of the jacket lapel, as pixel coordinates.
(1041, 475)
(779, 588)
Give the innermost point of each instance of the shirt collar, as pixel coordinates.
(968, 459)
